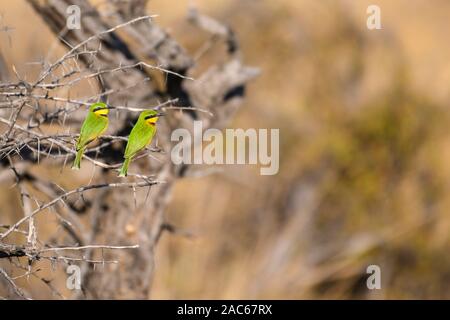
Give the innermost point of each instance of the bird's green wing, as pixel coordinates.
(92, 127)
(141, 135)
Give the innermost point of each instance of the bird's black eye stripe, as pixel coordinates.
(149, 117)
(99, 108)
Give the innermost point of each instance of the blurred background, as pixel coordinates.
(363, 118)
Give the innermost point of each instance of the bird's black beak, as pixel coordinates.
(160, 114)
(111, 108)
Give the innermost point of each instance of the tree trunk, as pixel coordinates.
(125, 217)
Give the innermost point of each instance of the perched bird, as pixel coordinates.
(94, 125)
(140, 136)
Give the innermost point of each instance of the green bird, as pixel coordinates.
(140, 136)
(94, 125)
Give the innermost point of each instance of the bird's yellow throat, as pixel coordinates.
(152, 121)
(102, 112)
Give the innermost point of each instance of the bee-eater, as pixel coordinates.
(140, 136)
(94, 125)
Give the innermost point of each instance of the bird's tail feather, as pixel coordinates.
(124, 170)
(77, 162)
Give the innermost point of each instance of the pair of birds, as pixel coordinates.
(96, 123)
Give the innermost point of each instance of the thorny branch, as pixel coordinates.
(40, 119)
